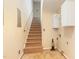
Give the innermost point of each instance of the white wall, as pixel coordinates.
(13, 36)
(67, 41)
(68, 13)
(49, 33)
(47, 25)
(67, 35)
(36, 9)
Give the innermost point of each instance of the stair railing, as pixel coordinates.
(27, 26)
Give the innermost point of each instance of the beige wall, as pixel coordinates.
(14, 38)
(67, 41)
(67, 35)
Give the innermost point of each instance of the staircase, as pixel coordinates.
(34, 42)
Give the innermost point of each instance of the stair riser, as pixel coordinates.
(35, 32)
(32, 50)
(32, 45)
(38, 34)
(36, 26)
(35, 29)
(34, 36)
(35, 23)
(33, 40)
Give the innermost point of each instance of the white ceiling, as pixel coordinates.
(52, 5)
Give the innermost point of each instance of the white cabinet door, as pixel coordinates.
(56, 21)
(68, 13)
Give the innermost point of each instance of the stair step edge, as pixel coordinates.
(32, 47)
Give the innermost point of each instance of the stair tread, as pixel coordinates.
(35, 31)
(34, 39)
(33, 42)
(36, 47)
(35, 34)
(35, 26)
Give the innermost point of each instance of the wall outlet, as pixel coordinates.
(67, 43)
(59, 35)
(57, 38)
(24, 30)
(19, 51)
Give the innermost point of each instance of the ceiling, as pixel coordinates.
(52, 5)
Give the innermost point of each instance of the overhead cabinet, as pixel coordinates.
(56, 21)
(68, 13)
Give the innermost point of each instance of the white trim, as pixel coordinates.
(59, 50)
(21, 56)
(65, 56)
(47, 48)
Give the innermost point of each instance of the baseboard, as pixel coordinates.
(22, 56)
(46, 48)
(58, 50)
(63, 54)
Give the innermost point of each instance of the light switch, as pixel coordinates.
(43, 29)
